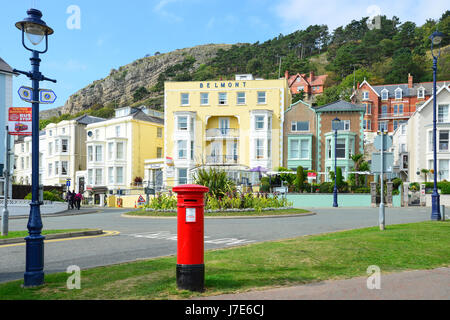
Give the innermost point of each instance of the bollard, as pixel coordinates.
(443, 212)
(191, 237)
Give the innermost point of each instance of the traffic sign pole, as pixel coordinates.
(382, 211)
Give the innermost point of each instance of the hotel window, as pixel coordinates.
(182, 149)
(98, 153)
(98, 176)
(443, 114)
(400, 109)
(50, 169)
(346, 125)
(398, 93)
(56, 168)
(259, 122)
(443, 169)
(304, 149)
(384, 95)
(259, 149)
(383, 126)
(421, 93)
(223, 99)
(185, 99)
(50, 133)
(182, 123)
(367, 125)
(22, 147)
(110, 151)
(241, 98)
(295, 144)
(90, 177)
(159, 132)
(204, 99)
(50, 148)
(368, 109)
(384, 109)
(300, 126)
(90, 154)
(395, 108)
(119, 151)
(262, 97)
(64, 145)
(340, 149)
(182, 176)
(64, 168)
(158, 153)
(118, 131)
(443, 141)
(110, 175)
(366, 95)
(119, 175)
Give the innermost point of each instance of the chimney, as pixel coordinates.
(286, 74)
(311, 76)
(410, 81)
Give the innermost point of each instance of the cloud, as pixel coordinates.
(161, 9)
(299, 14)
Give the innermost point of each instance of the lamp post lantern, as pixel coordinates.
(436, 39)
(36, 30)
(335, 126)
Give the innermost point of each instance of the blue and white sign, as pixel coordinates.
(47, 96)
(26, 94)
(68, 183)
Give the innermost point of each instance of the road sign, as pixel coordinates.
(388, 160)
(20, 121)
(141, 200)
(47, 96)
(26, 94)
(68, 183)
(387, 143)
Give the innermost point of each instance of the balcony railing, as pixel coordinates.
(222, 133)
(395, 115)
(222, 159)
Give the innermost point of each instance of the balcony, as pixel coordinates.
(395, 115)
(222, 159)
(222, 133)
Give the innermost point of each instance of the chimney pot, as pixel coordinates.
(410, 81)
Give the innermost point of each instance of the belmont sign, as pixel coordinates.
(223, 85)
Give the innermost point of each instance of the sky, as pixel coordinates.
(94, 36)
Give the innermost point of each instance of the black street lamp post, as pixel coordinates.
(335, 126)
(35, 29)
(436, 39)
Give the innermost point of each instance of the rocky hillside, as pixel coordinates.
(122, 87)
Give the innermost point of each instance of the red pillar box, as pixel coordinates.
(191, 237)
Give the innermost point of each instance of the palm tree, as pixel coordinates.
(425, 173)
(358, 159)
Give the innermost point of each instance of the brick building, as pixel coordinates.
(310, 83)
(389, 106)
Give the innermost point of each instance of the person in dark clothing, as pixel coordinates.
(78, 198)
(74, 203)
(69, 197)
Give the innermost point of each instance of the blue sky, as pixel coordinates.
(114, 33)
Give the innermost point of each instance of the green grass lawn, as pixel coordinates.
(23, 234)
(144, 213)
(281, 263)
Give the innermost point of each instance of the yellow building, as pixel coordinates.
(117, 150)
(236, 125)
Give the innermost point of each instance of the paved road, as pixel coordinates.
(410, 285)
(148, 238)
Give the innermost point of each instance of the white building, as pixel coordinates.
(420, 139)
(400, 150)
(23, 160)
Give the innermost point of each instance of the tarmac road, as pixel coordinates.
(148, 238)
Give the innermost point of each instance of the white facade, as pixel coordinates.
(420, 139)
(23, 160)
(400, 151)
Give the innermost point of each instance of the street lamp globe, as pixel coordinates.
(335, 123)
(34, 27)
(436, 38)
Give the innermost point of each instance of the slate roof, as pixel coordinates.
(4, 67)
(409, 92)
(340, 105)
(86, 119)
(141, 115)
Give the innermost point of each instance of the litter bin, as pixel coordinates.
(191, 237)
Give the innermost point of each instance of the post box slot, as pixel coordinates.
(190, 200)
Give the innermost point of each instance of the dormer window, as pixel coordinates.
(398, 93)
(366, 95)
(421, 93)
(384, 94)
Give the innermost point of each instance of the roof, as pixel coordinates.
(141, 115)
(431, 99)
(341, 105)
(314, 81)
(4, 67)
(406, 91)
(86, 119)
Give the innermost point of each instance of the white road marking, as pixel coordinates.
(166, 235)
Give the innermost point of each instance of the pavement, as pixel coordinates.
(408, 285)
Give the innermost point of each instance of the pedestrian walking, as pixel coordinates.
(69, 200)
(78, 198)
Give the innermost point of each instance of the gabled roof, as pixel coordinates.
(341, 105)
(406, 91)
(431, 98)
(365, 82)
(297, 103)
(86, 119)
(4, 67)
